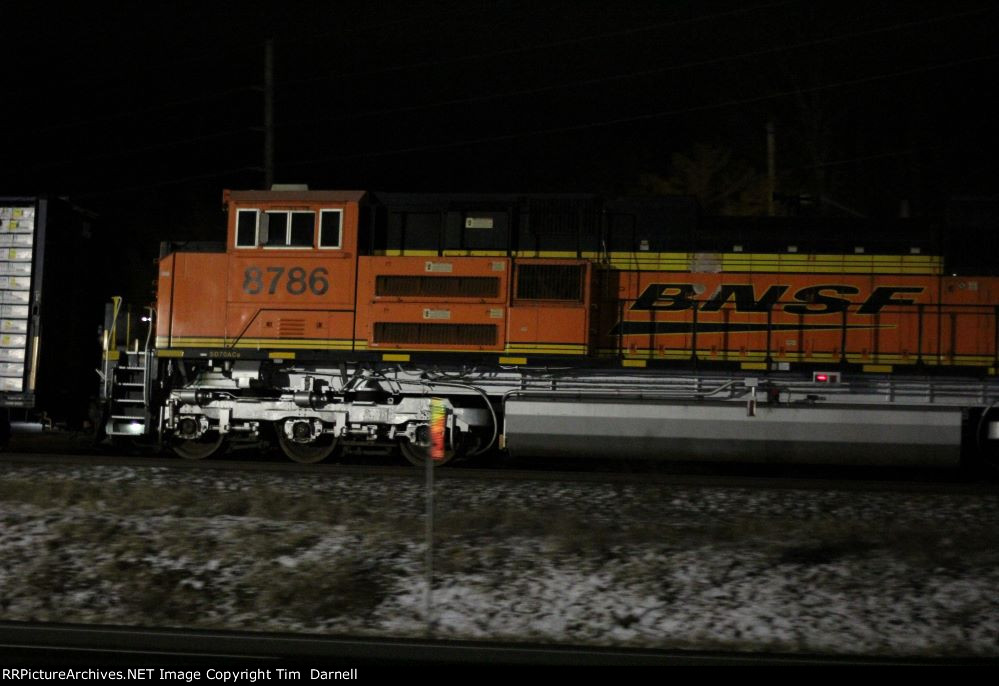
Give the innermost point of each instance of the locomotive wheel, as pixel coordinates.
(306, 453)
(417, 455)
(200, 448)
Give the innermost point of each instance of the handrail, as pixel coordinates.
(110, 339)
(146, 359)
(926, 344)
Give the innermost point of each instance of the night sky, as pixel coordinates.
(144, 112)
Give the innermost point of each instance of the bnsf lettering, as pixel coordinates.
(296, 280)
(818, 302)
(666, 297)
(822, 299)
(885, 296)
(745, 298)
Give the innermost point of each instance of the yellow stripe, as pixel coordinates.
(707, 355)
(169, 353)
(394, 357)
(753, 365)
(547, 346)
(633, 363)
(513, 360)
(522, 254)
(547, 254)
(338, 344)
(289, 344)
(196, 340)
(300, 343)
(544, 347)
(878, 368)
(775, 262)
(281, 356)
(533, 349)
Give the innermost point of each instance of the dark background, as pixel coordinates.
(143, 112)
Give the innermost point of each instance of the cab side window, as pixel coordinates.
(303, 229)
(277, 230)
(246, 228)
(284, 228)
(330, 228)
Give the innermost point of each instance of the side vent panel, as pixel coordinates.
(437, 286)
(291, 328)
(435, 334)
(563, 282)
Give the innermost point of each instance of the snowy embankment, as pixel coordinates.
(650, 565)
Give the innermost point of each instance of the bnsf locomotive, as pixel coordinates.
(329, 320)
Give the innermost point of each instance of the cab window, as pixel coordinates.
(303, 229)
(246, 228)
(277, 230)
(293, 229)
(330, 228)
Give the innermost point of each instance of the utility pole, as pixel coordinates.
(771, 167)
(268, 113)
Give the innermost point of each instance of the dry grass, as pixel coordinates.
(303, 557)
(316, 591)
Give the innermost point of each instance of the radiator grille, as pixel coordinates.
(436, 334)
(438, 286)
(291, 328)
(550, 282)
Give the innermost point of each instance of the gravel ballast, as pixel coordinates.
(653, 565)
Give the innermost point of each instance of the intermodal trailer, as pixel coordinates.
(50, 295)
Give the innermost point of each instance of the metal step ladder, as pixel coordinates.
(126, 374)
(127, 407)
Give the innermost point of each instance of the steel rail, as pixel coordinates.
(138, 645)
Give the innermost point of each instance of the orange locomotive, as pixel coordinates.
(329, 318)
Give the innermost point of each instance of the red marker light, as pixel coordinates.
(822, 377)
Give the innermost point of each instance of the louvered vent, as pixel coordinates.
(564, 217)
(550, 282)
(438, 286)
(435, 334)
(291, 328)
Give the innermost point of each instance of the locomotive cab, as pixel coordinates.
(286, 278)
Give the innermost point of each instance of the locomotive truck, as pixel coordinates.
(555, 324)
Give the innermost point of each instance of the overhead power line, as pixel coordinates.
(164, 145)
(633, 74)
(126, 79)
(168, 182)
(540, 46)
(137, 112)
(645, 117)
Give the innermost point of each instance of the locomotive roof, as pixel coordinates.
(295, 195)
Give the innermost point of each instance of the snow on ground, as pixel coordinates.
(652, 565)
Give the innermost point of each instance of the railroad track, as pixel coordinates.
(795, 477)
(56, 646)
